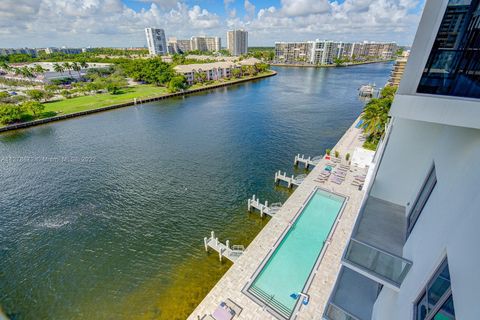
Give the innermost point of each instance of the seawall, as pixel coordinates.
(127, 104)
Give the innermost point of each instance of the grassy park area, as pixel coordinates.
(83, 103)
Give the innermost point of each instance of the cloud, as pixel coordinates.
(249, 9)
(304, 7)
(165, 4)
(78, 23)
(201, 18)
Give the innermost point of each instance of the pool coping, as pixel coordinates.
(313, 271)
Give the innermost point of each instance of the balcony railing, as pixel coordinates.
(334, 312)
(385, 267)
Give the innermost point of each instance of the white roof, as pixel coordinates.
(185, 68)
(250, 62)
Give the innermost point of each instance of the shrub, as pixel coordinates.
(337, 154)
(10, 113)
(347, 156)
(328, 151)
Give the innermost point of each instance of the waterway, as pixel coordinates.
(103, 216)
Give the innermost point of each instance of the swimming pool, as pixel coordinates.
(289, 268)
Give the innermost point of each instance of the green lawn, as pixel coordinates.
(102, 100)
(97, 101)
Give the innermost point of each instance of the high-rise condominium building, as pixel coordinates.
(325, 52)
(156, 41)
(398, 69)
(206, 43)
(237, 42)
(413, 252)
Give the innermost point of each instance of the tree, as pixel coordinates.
(153, 71)
(76, 67)
(26, 72)
(67, 67)
(199, 77)
(262, 67)
(236, 72)
(58, 68)
(34, 107)
(4, 95)
(36, 95)
(375, 118)
(84, 64)
(388, 92)
(10, 113)
(38, 69)
(177, 83)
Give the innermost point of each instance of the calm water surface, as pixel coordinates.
(103, 216)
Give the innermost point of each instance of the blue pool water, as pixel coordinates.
(290, 265)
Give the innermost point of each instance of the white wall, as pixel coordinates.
(406, 161)
(448, 226)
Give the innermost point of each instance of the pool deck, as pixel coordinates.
(233, 282)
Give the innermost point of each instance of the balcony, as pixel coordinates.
(376, 246)
(352, 297)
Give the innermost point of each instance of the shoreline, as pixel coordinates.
(297, 65)
(130, 103)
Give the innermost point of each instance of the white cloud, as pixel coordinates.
(249, 9)
(77, 23)
(304, 7)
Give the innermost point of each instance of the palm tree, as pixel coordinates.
(76, 67)
(38, 69)
(375, 117)
(68, 66)
(58, 68)
(4, 65)
(27, 72)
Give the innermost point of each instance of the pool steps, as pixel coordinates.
(272, 302)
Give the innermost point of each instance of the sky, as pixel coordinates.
(121, 23)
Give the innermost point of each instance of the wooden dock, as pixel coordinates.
(289, 180)
(224, 250)
(255, 204)
(307, 162)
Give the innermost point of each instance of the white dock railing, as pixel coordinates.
(307, 162)
(289, 180)
(255, 204)
(223, 250)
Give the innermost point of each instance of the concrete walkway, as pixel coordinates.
(231, 284)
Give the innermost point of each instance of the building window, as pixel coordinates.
(436, 301)
(453, 67)
(422, 198)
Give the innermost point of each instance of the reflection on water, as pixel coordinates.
(121, 236)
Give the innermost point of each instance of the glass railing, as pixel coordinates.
(384, 266)
(334, 312)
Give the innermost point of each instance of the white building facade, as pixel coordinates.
(156, 41)
(413, 253)
(237, 42)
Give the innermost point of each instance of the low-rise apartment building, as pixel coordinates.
(212, 71)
